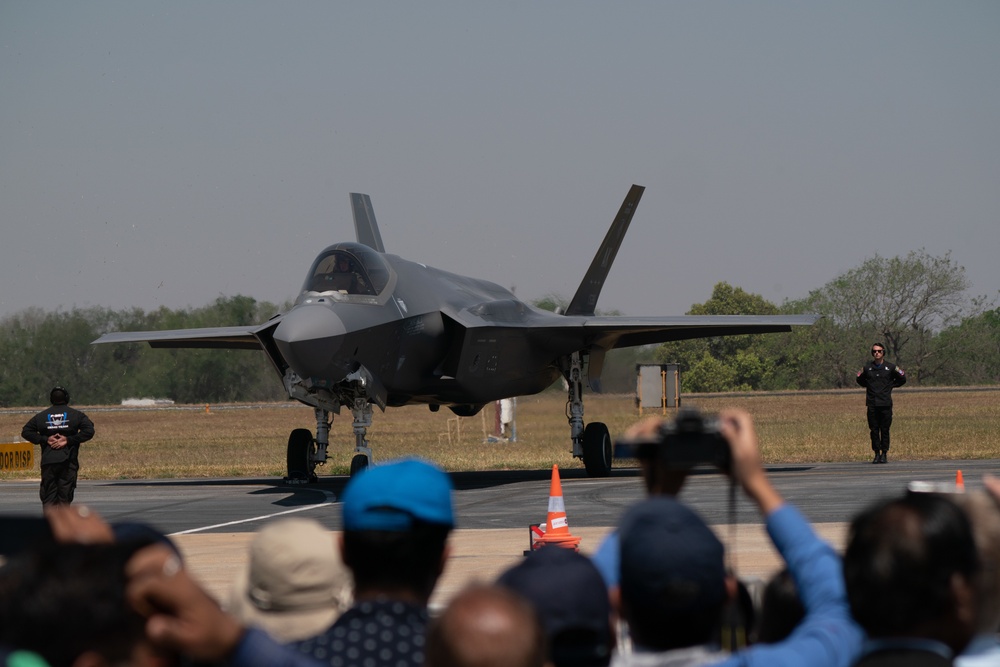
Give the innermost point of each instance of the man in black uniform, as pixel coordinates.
(59, 430)
(879, 377)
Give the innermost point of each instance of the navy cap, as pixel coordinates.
(138, 532)
(393, 495)
(671, 560)
(569, 595)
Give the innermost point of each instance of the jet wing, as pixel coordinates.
(227, 338)
(526, 336)
(568, 333)
(614, 332)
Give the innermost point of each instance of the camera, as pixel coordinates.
(689, 440)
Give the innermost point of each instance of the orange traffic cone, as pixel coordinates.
(556, 526)
(959, 481)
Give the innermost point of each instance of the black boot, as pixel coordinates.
(878, 457)
(885, 453)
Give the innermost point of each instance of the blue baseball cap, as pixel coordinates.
(392, 496)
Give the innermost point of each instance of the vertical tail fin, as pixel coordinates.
(585, 300)
(364, 222)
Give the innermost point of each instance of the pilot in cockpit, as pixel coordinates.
(343, 277)
(343, 264)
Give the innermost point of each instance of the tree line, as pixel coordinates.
(41, 349)
(917, 306)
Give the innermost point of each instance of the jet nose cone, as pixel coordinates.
(308, 337)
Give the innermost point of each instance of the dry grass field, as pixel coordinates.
(234, 440)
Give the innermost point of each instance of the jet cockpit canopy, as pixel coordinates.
(348, 269)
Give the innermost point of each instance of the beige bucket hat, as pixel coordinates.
(294, 585)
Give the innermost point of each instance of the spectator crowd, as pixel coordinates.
(918, 584)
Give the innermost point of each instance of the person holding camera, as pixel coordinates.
(662, 476)
(879, 377)
(673, 582)
(60, 430)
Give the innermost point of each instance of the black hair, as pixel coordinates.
(58, 396)
(900, 559)
(780, 608)
(61, 600)
(409, 559)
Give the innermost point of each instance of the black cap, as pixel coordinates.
(58, 395)
(671, 561)
(569, 595)
(144, 534)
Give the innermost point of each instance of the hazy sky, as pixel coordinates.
(167, 153)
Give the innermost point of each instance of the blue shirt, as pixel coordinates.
(606, 559)
(827, 636)
(258, 649)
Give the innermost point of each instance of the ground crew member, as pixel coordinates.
(879, 377)
(59, 430)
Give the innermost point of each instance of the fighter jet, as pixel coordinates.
(370, 328)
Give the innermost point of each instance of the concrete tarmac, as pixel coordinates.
(212, 520)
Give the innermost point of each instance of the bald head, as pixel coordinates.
(486, 626)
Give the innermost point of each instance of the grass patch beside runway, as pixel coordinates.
(241, 441)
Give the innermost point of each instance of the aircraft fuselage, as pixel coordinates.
(435, 337)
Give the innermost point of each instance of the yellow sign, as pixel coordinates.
(17, 456)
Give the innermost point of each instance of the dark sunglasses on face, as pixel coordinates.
(874, 352)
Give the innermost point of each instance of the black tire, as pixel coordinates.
(597, 450)
(358, 463)
(300, 450)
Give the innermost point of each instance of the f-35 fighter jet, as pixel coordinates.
(371, 328)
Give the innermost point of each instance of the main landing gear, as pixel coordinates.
(301, 449)
(362, 411)
(305, 453)
(593, 442)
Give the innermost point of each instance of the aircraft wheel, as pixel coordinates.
(300, 450)
(358, 463)
(597, 450)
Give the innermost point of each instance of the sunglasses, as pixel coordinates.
(874, 352)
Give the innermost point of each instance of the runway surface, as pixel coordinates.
(214, 519)
(825, 492)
